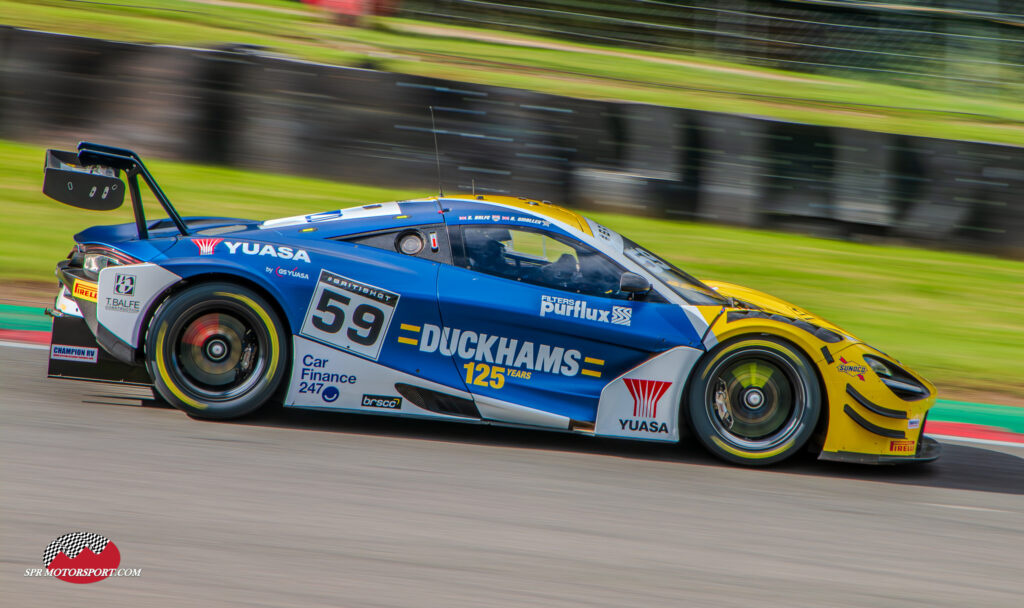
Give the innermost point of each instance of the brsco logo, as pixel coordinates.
(209, 247)
(383, 401)
(82, 557)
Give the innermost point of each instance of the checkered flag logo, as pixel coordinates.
(72, 544)
(81, 558)
(622, 315)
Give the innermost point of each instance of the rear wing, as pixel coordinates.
(91, 179)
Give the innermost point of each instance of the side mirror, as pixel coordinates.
(631, 282)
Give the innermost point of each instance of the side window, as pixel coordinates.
(427, 242)
(540, 258)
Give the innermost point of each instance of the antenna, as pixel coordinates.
(437, 153)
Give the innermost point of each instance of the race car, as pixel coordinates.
(484, 309)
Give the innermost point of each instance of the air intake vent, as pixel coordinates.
(439, 403)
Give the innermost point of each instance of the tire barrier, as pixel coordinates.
(241, 107)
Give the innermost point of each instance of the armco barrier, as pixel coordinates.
(245, 109)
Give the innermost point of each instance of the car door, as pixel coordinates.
(533, 317)
(356, 348)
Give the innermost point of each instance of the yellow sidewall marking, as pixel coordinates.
(744, 344)
(161, 367)
(752, 455)
(275, 348)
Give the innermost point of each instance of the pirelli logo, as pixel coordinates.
(902, 446)
(85, 290)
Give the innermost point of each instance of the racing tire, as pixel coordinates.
(754, 401)
(216, 351)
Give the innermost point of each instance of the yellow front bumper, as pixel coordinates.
(867, 421)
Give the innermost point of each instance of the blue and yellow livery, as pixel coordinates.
(478, 309)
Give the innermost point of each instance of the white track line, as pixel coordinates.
(964, 507)
(1010, 444)
(27, 345)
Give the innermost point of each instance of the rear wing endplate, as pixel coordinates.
(91, 179)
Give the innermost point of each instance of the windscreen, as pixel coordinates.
(687, 287)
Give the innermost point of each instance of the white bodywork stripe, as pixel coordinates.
(26, 345)
(376, 210)
(512, 413)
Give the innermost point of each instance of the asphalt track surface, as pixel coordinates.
(319, 509)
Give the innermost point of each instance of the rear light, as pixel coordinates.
(95, 259)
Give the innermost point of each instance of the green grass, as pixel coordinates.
(954, 317)
(519, 61)
(35, 231)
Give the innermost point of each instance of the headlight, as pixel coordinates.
(902, 384)
(877, 366)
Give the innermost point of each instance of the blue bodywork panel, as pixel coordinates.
(447, 324)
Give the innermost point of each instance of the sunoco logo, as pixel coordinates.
(851, 369)
(82, 557)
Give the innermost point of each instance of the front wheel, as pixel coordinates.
(216, 350)
(754, 401)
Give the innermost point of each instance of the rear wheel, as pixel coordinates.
(754, 401)
(216, 351)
